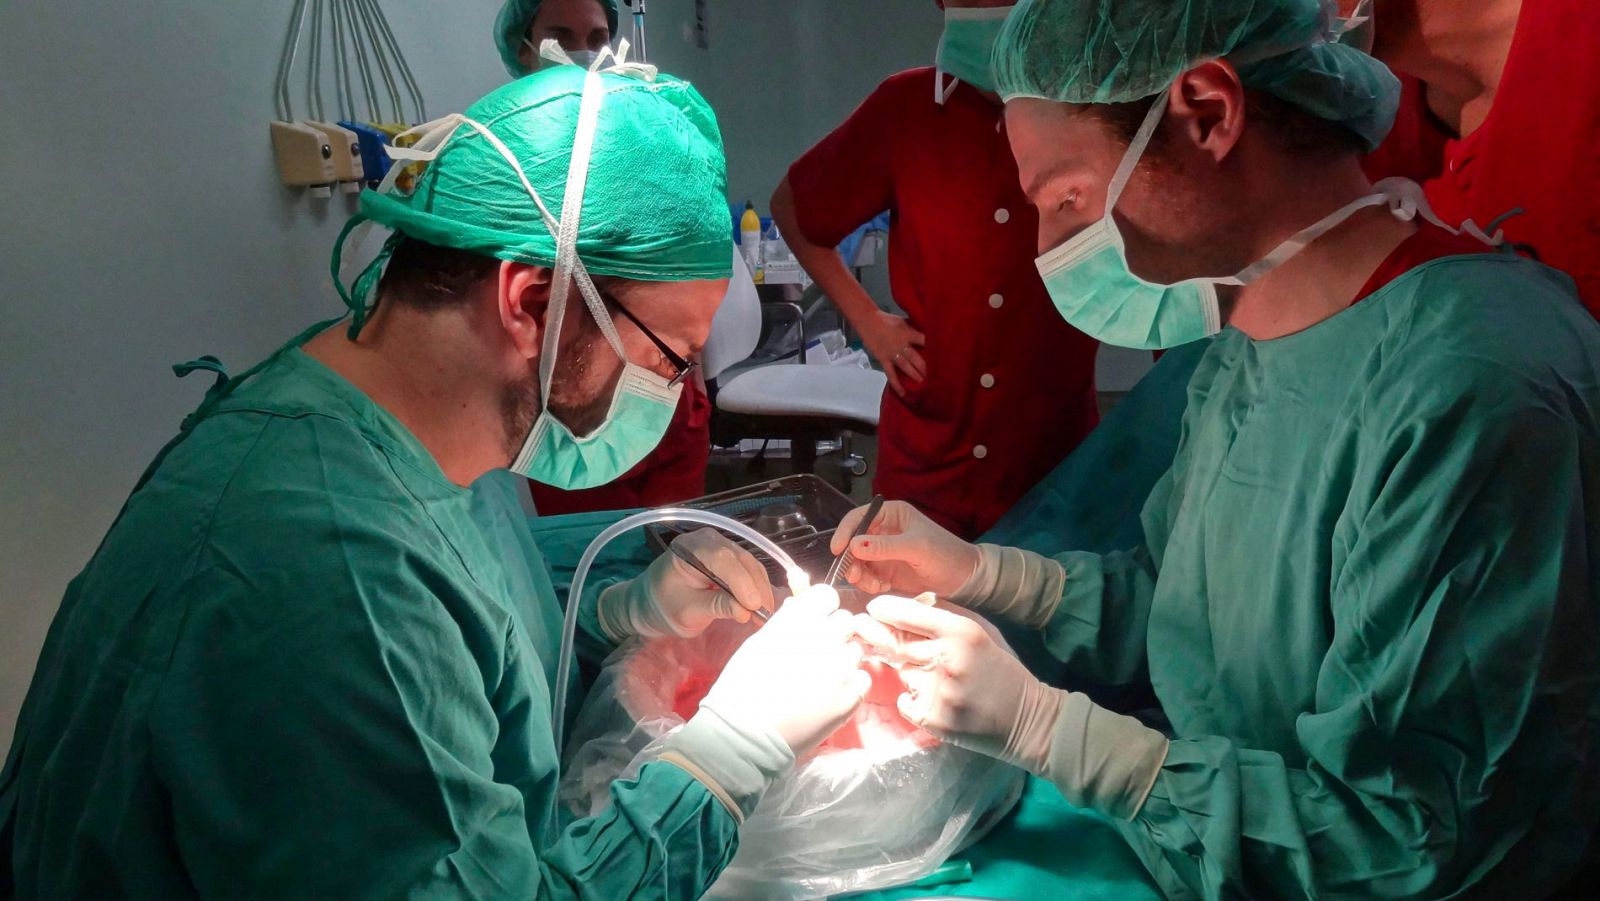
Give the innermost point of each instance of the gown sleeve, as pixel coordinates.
(1099, 629)
(377, 733)
(1455, 718)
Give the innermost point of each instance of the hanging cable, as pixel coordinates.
(405, 67)
(381, 60)
(314, 65)
(342, 88)
(291, 46)
(363, 66)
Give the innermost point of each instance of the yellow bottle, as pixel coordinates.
(750, 240)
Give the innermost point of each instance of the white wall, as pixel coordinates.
(782, 73)
(142, 223)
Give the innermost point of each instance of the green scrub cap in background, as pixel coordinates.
(511, 28)
(1114, 51)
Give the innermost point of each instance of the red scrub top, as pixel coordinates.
(1010, 387)
(1538, 149)
(674, 471)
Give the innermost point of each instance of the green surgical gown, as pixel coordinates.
(303, 664)
(1091, 501)
(1367, 600)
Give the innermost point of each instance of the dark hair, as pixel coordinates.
(429, 277)
(1296, 131)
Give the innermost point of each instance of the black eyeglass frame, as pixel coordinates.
(683, 366)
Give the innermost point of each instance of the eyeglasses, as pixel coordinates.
(682, 366)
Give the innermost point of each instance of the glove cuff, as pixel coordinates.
(1028, 746)
(1101, 759)
(1019, 585)
(737, 764)
(626, 610)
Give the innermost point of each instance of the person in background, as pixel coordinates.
(582, 27)
(1367, 591)
(676, 469)
(988, 392)
(308, 661)
(1500, 111)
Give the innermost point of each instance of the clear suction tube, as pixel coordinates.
(797, 578)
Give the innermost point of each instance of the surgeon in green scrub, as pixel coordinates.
(1368, 592)
(308, 661)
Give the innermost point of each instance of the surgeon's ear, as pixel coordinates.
(1206, 107)
(522, 298)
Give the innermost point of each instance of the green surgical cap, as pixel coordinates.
(1114, 51)
(654, 206)
(511, 27)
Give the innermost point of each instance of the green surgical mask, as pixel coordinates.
(966, 46)
(641, 410)
(1088, 279)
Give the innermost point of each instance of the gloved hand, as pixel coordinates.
(962, 686)
(788, 687)
(800, 676)
(671, 598)
(905, 552)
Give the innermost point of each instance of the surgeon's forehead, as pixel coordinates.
(1050, 139)
(568, 13)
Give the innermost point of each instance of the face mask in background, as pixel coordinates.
(584, 58)
(966, 48)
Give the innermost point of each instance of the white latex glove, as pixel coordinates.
(799, 677)
(962, 686)
(671, 598)
(787, 688)
(904, 552)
